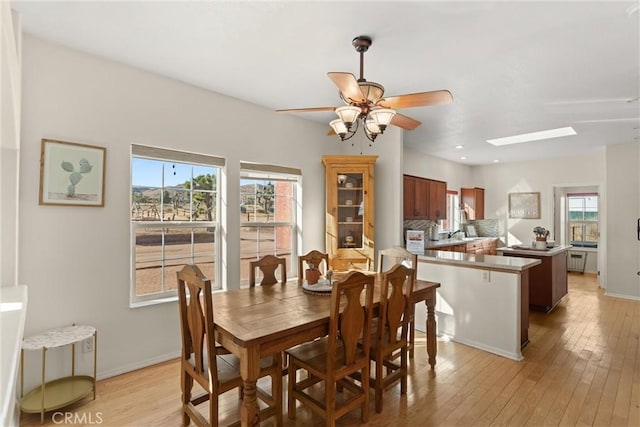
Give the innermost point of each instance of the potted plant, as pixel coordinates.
(312, 274)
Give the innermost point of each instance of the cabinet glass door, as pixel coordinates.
(350, 210)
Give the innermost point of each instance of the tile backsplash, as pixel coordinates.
(484, 227)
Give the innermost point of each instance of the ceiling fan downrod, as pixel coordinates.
(362, 44)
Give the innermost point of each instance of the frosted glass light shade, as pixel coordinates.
(338, 126)
(348, 114)
(372, 126)
(382, 116)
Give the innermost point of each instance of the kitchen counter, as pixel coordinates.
(524, 250)
(548, 280)
(479, 295)
(491, 262)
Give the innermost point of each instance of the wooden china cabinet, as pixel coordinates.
(349, 211)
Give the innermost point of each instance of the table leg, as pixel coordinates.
(432, 344)
(249, 370)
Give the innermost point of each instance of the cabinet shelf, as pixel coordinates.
(354, 203)
(58, 394)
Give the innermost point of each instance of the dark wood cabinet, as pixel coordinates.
(424, 198)
(473, 202)
(547, 281)
(437, 199)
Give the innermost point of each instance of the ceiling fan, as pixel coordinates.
(366, 104)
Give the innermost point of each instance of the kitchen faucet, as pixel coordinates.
(452, 233)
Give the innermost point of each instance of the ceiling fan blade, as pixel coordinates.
(306, 110)
(348, 86)
(420, 99)
(331, 132)
(405, 122)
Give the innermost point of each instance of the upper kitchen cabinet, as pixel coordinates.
(349, 214)
(437, 200)
(424, 198)
(473, 202)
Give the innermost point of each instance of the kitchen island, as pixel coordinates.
(483, 300)
(548, 280)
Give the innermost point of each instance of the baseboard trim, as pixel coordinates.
(631, 297)
(101, 375)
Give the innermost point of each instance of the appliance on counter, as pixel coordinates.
(432, 232)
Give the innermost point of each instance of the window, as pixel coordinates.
(583, 219)
(452, 222)
(269, 204)
(174, 219)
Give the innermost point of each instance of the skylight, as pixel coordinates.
(534, 136)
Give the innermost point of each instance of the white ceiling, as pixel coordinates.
(512, 67)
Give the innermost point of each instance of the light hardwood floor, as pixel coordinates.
(581, 367)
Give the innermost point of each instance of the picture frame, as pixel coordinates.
(524, 205)
(71, 174)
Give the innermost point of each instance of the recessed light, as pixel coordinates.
(496, 160)
(463, 158)
(459, 147)
(534, 136)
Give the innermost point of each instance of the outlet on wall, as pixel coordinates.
(486, 276)
(87, 345)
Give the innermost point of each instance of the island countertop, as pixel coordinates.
(492, 262)
(435, 244)
(524, 250)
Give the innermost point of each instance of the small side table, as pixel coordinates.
(62, 391)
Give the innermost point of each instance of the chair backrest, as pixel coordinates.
(314, 257)
(354, 323)
(268, 265)
(196, 321)
(395, 305)
(396, 255)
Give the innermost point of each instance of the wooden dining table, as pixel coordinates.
(257, 322)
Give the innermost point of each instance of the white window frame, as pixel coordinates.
(173, 156)
(584, 222)
(278, 173)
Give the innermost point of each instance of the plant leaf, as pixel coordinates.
(75, 178)
(85, 167)
(67, 166)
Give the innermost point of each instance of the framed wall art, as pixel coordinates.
(71, 174)
(524, 205)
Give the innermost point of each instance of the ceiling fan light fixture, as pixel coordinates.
(372, 126)
(382, 117)
(338, 127)
(348, 114)
(373, 92)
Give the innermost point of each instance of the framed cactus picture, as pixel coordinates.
(71, 174)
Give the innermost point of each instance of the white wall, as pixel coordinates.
(10, 99)
(76, 259)
(454, 174)
(623, 206)
(535, 176)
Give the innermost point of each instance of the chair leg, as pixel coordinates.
(379, 383)
(291, 400)
(364, 408)
(276, 387)
(403, 370)
(187, 385)
(213, 411)
(412, 331)
(330, 401)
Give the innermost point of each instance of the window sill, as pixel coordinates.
(145, 303)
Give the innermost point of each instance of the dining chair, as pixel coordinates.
(391, 332)
(334, 358)
(209, 364)
(268, 265)
(399, 255)
(315, 257)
